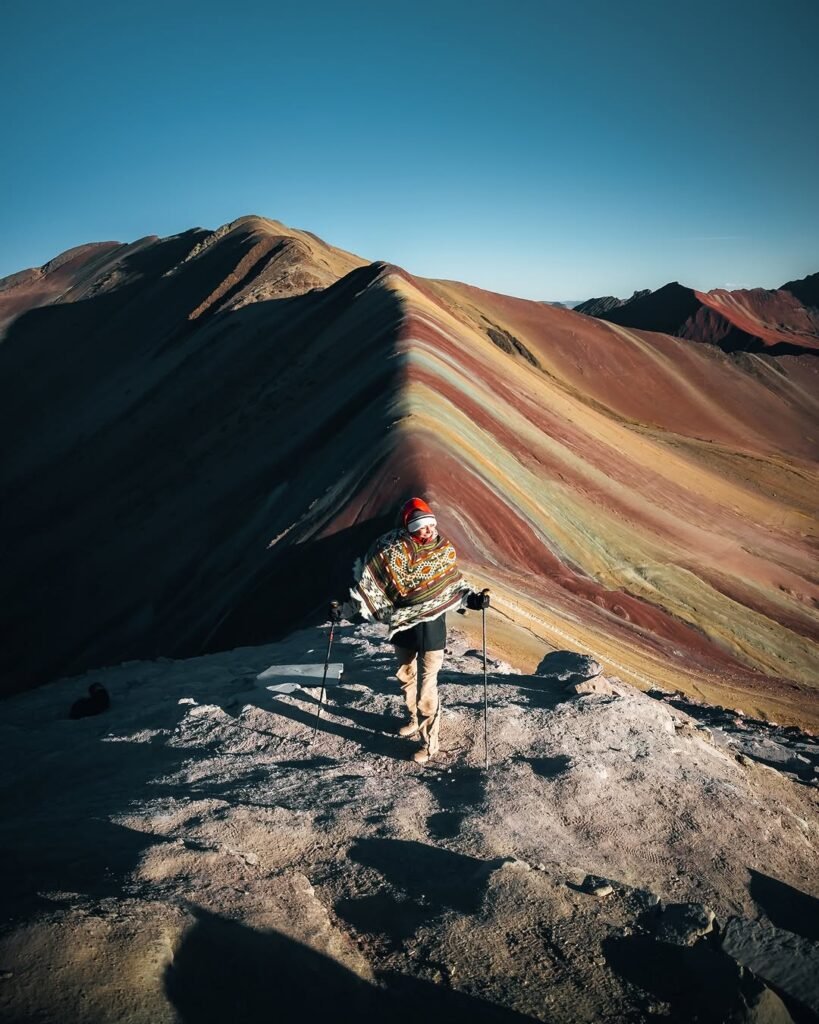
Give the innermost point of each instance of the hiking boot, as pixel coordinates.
(429, 730)
(409, 728)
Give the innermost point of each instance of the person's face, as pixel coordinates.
(425, 534)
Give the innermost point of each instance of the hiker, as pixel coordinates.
(409, 580)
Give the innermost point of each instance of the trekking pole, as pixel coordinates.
(485, 697)
(335, 616)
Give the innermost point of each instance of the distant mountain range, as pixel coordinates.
(203, 431)
(596, 307)
(780, 321)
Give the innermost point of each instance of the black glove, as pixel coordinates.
(335, 611)
(475, 600)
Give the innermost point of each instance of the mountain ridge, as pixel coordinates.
(219, 433)
(780, 322)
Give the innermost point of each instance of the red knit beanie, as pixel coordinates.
(415, 514)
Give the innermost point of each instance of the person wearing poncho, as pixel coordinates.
(409, 579)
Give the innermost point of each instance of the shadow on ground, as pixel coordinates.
(547, 767)
(362, 733)
(93, 857)
(700, 983)
(785, 906)
(224, 971)
(458, 794)
(438, 879)
(56, 832)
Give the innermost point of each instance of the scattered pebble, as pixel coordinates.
(596, 886)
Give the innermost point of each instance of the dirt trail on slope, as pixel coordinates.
(190, 856)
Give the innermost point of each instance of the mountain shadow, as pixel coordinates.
(168, 486)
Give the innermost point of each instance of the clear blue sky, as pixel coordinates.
(549, 150)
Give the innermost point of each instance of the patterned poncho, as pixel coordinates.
(403, 583)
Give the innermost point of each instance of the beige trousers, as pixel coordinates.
(421, 695)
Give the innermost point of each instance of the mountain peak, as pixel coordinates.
(250, 404)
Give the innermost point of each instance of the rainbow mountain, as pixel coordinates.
(203, 431)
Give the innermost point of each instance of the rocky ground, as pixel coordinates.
(190, 855)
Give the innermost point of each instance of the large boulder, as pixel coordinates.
(788, 962)
(568, 667)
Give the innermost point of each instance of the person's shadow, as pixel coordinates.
(370, 731)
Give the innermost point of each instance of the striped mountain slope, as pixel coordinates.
(209, 428)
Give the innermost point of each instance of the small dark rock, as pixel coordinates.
(596, 885)
(95, 703)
